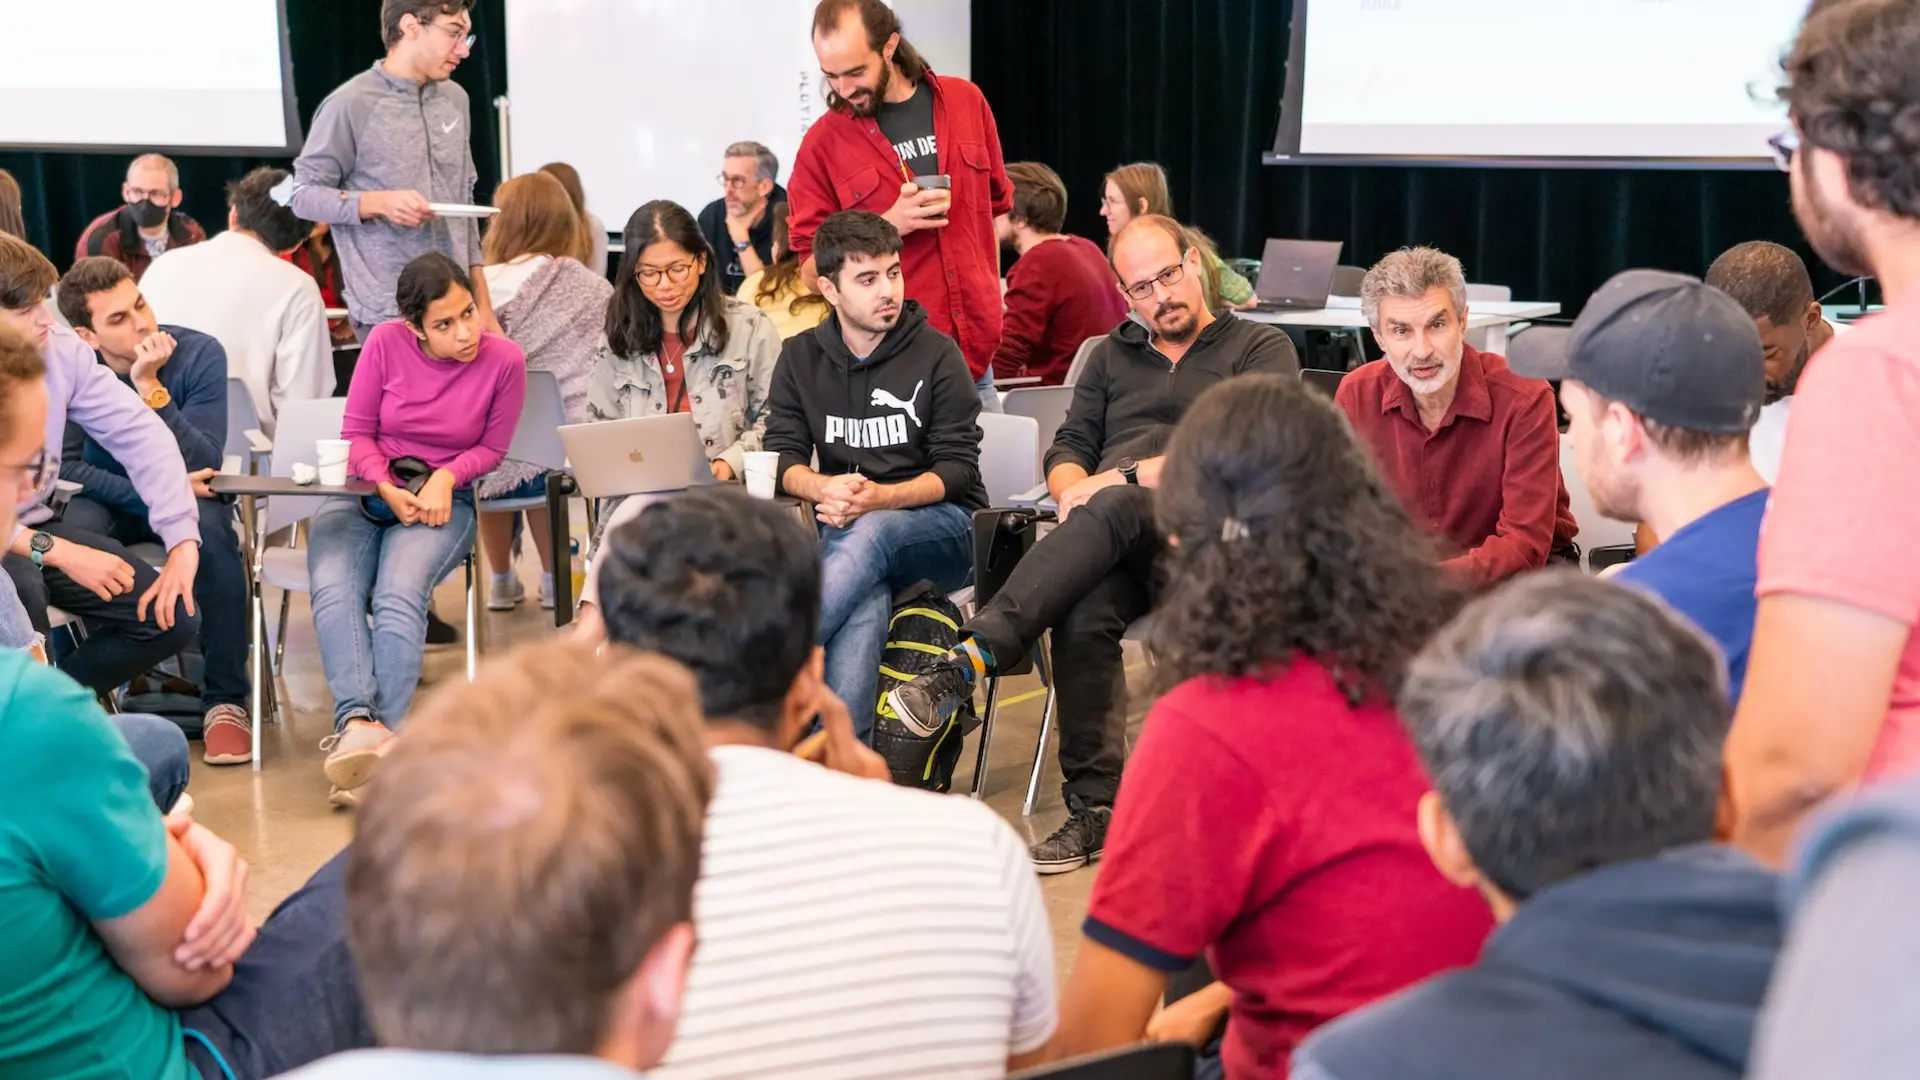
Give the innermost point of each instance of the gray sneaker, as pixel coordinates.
(1077, 842)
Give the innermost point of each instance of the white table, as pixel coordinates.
(1490, 315)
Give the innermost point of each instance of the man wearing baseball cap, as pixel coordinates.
(1662, 378)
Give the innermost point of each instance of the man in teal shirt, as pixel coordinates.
(130, 953)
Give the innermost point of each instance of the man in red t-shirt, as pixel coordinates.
(1061, 292)
(891, 120)
(1833, 687)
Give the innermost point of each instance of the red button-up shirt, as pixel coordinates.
(847, 163)
(1486, 482)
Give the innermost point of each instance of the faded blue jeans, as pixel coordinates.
(861, 567)
(159, 745)
(354, 564)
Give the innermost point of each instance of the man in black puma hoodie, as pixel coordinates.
(1572, 729)
(1092, 576)
(888, 404)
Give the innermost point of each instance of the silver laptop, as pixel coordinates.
(637, 456)
(1296, 275)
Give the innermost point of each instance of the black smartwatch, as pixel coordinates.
(38, 546)
(1130, 469)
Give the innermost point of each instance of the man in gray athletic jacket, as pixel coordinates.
(383, 146)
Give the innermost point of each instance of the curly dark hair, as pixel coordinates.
(1853, 87)
(1285, 541)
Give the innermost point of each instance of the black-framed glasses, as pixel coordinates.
(38, 472)
(1785, 145)
(1169, 277)
(676, 273)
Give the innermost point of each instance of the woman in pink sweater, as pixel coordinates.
(432, 408)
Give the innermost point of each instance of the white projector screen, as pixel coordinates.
(1594, 81)
(209, 76)
(643, 96)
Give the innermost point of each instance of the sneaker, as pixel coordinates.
(343, 797)
(182, 805)
(505, 595)
(439, 631)
(1074, 844)
(228, 736)
(354, 750)
(546, 592)
(928, 702)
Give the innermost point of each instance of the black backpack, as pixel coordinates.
(925, 624)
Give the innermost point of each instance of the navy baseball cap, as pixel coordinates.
(1670, 347)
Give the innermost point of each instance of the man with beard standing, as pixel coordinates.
(1834, 678)
(893, 132)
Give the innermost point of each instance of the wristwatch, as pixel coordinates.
(38, 546)
(157, 398)
(1130, 469)
(742, 246)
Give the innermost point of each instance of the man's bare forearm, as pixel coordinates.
(1062, 477)
(923, 490)
(804, 483)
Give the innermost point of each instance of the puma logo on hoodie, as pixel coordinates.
(878, 431)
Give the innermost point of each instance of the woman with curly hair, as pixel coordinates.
(1266, 818)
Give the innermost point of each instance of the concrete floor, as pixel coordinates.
(280, 820)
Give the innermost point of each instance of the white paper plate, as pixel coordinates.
(445, 209)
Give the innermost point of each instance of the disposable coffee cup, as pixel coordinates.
(331, 461)
(761, 465)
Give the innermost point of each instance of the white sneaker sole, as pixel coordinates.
(352, 769)
(503, 603)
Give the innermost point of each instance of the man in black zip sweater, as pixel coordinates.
(1093, 576)
(888, 404)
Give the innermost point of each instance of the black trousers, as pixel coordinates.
(119, 644)
(1087, 581)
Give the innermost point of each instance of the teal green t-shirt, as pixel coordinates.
(80, 840)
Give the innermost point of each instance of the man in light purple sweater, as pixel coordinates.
(134, 617)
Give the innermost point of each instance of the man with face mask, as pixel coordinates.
(1772, 284)
(1472, 448)
(891, 120)
(150, 223)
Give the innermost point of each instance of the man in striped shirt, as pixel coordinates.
(848, 928)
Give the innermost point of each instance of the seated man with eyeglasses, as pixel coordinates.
(1091, 577)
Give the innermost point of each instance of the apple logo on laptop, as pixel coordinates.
(635, 456)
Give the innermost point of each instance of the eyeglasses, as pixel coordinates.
(677, 273)
(39, 472)
(1169, 277)
(461, 34)
(135, 194)
(737, 181)
(1785, 145)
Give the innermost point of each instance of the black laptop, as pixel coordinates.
(1296, 275)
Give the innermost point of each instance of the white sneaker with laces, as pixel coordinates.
(354, 751)
(505, 595)
(546, 592)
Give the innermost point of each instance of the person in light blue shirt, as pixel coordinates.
(1663, 378)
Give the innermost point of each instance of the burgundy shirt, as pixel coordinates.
(847, 163)
(1059, 294)
(1486, 482)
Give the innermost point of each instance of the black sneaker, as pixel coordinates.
(928, 702)
(439, 631)
(1075, 844)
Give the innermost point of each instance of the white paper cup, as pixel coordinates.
(330, 452)
(760, 469)
(333, 475)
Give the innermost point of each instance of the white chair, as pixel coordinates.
(1008, 467)
(1048, 406)
(1592, 530)
(246, 443)
(536, 441)
(1080, 356)
(301, 424)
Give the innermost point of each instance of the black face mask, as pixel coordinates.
(148, 214)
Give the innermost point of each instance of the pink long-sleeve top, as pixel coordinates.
(453, 416)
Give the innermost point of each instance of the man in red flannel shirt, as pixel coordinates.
(1062, 291)
(1472, 448)
(891, 119)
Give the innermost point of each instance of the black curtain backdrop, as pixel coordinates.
(1085, 85)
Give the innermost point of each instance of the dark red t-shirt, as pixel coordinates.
(673, 368)
(1059, 294)
(1272, 825)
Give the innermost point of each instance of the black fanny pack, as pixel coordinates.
(408, 472)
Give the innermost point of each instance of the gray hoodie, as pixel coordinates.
(378, 132)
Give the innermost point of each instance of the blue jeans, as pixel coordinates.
(160, 745)
(862, 566)
(354, 562)
(989, 397)
(294, 998)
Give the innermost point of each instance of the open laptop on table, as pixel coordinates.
(632, 457)
(1296, 275)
